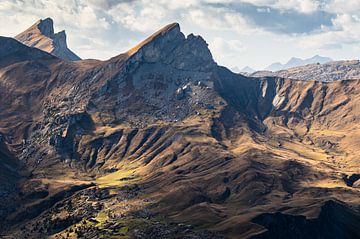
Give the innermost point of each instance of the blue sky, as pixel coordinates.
(240, 33)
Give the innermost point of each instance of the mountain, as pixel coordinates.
(330, 71)
(247, 69)
(162, 142)
(275, 67)
(296, 62)
(235, 69)
(41, 35)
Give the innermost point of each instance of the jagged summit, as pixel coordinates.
(170, 46)
(173, 27)
(41, 35)
(46, 27)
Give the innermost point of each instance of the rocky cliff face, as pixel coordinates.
(165, 67)
(163, 130)
(41, 35)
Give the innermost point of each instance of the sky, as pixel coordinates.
(240, 33)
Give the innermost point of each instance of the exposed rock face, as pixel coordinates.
(350, 181)
(151, 75)
(194, 139)
(170, 46)
(41, 35)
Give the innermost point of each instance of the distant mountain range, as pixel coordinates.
(246, 69)
(293, 62)
(330, 71)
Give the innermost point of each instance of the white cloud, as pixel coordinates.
(226, 50)
(220, 19)
(139, 16)
(346, 30)
(305, 6)
(344, 6)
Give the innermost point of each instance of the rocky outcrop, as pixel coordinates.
(41, 35)
(352, 179)
(169, 45)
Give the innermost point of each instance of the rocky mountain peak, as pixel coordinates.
(60, 39)
(41, 35)
(170, 46)
(46, 27)
(168, 33)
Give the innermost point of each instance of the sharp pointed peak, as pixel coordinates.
(169, 45)
(48, 21)
(160, 33)
(41, 35)
(45, 26)
(164, 30)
